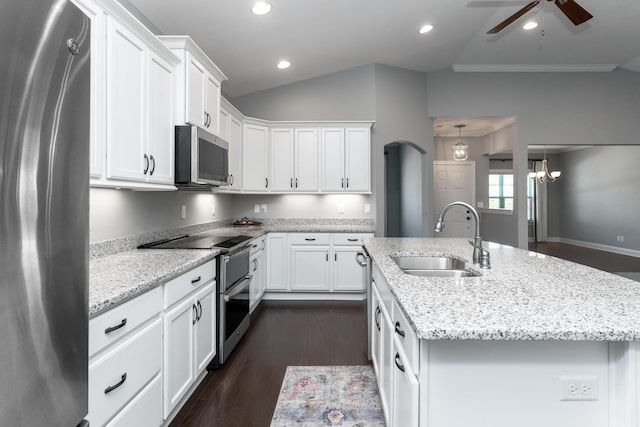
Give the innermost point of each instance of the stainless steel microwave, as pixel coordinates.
(201, 158)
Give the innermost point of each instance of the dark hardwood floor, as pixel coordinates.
(244, 391)
(602, 260)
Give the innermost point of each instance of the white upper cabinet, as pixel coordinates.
(282, 168)
(139, 110)
(198, 92)
(306, 159)
(294, 159)
(345, 157)
(255, 150)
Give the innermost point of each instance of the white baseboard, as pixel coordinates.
(314, 296)
(598, 246)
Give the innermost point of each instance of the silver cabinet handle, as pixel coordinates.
(109, 389)
(153, 165)
(146, 164)
(116, 327)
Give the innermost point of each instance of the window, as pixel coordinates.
(501, 190)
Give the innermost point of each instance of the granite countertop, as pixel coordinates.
(118, 277)
(524, 296)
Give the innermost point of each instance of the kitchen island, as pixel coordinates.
(533, 341)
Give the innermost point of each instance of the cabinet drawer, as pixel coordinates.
(352, 239)
(406, 336)
(257, 245)
(309, 239)
(181, 286)
(121, 373)
(114, 324)
(144, 410)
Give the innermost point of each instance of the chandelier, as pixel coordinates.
(543, 175)
(460, 150)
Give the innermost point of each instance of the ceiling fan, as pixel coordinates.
(576, 13)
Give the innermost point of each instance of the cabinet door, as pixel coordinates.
(235, 152)
(277, 262)
(405, 390)
(306, 160)
(205, 328)
(348, 275)
(385, 360)
(375, 332)
(178, 359)
(282, 169)
(332, 159)
(310, 268)
(195, 100)
(254, 289)
(255, 144)
(223, 126)
(160, 112)
(125, 104)
(262, 271)
(212, 103)
(357, 166)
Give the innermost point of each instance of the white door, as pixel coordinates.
(332, 159)
(235, 152)
(125, 104)
(357, 162)
(277, 262)
(160, 113)
(306, 160)
(310, 268)
(212, 103)
(205, 328)
(348, 275)
(455, 181)
(178, 358)
(195, 102)
(282, 160)
(255, 152)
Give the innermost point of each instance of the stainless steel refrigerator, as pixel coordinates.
(44, 212)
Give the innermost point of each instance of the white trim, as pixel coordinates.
(598, 246)
(314, 296)
(527, 68)
(496, 211)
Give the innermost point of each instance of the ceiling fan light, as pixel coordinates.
(425, 29)
(530, 25)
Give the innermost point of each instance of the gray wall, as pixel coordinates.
(122, 213)
(552, 108)
(598, 196)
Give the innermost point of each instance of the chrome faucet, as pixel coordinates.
(480, 256)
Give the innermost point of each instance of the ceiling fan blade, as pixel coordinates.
(574, 11)
(501, 26)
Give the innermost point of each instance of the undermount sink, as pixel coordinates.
(433, 266)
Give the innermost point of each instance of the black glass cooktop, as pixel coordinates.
(201, 241)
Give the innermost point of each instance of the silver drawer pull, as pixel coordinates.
(115, 328)
(196, 280)
(116, 385)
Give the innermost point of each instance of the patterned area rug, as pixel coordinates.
(328, 396)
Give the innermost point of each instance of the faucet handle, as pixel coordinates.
(485, 261)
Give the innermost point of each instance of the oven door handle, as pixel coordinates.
(236, 253)
(237, 289)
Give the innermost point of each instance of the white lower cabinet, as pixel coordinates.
(189, 343)
(405, 390)
(277, 262)
(144, 410)
(257, 270)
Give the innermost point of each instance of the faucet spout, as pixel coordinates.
(480, 256)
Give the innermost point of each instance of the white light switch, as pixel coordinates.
(264, 208)
(367, 208)
(340, 208)
(213, 208)
(256, 208)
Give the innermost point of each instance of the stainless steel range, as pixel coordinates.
(233, 279)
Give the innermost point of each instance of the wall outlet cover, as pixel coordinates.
(367, 208)
(183, 211)
(578, 388)
(263, 208)
(256, 208)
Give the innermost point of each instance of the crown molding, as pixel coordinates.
(527, 68)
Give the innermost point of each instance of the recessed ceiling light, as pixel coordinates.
(425, 29)
(530, 25)
(261, 8)
(283, 64)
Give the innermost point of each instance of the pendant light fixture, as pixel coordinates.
(543, 175)
(460, 150)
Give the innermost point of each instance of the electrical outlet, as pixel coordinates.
(256, 208)
(264, 208)
(367, 208)
(183, 211)
(622, 238)
(341, 208)
(213, 208)
(579, 388)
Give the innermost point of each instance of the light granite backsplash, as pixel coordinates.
(114, 246)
